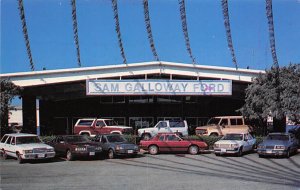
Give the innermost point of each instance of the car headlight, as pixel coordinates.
(118, 147)
(80, 149)
(281, 147)
(234, 145)
(98, 148)
(28, 151)
(50, 150)
(216, 145)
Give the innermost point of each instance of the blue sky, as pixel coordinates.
(50, 31)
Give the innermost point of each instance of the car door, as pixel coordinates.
(60, 145)
(105, 142)
(224, 126)
(162, 127)
(101, 128)
(293, 141)
(13, 146)
(175, 144)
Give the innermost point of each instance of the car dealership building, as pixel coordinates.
(137, 94)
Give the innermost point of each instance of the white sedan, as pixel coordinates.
(25, 147)
(235, 143)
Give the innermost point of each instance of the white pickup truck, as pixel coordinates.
(179, 127)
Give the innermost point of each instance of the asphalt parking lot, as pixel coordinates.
(159, 172)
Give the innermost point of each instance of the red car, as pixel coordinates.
(171, 142)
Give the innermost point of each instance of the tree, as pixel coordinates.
(274, 94)
(7, 92)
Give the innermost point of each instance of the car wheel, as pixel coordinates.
(70, 156)
(214, 134)
(146, 137)
(240, 153)
(111, 154)
(261, 156)
(20, 159)
(153, 149)
(288, 154)
(4, 155)
(193, 149)
(217, 154)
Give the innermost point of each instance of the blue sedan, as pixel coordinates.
(278, 144)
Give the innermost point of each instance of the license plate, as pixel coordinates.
(223, 150)
(130, 151)
(269, 151)
(92, 153)
(41, 155)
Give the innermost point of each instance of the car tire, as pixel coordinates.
(213, 135)
(217, 154)
(193, 150)
(4, 155)
(288, 153)
(146, 136)
(111, 154)
(153, 149)
(240, 153)
(261, 156)
(20, 159)
(70, 155)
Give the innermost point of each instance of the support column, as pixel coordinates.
(29, 114)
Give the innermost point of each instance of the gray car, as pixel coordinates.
(116, 145)
(278, 144)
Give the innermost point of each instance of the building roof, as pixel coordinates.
(36, 78)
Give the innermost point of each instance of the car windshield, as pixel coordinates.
(115, 138)
(110, 122)
(28, 140)
(237, 137)
(278, 137)
(76, 139)
(213, 121)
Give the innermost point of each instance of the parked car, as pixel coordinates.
(76, 146)
(116, 145)
(278, 144)
(235, 143)
(25, 147)
(180, 127)
(93, 126)
(171, 142)
(220, 126)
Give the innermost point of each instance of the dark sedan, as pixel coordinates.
(116, 145)
(75, 146)
(278, 144)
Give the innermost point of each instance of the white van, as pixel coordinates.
(179, 127)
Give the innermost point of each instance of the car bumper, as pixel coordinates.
(87, 154)
(38, 156)
(272, 152)
(226, 151)
(126, 152)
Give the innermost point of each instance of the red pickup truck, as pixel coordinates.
(93, 126)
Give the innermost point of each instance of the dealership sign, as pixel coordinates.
(159, 87)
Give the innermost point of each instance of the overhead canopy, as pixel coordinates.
(48, 77)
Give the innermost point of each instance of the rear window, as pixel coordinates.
(86, 122)
(176, 124)
(236, 121)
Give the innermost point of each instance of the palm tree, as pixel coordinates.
(75, 30)
(148, 27)
(25, 33)
(184, 29)
(228, 32)
(271, 31)
(117, 27)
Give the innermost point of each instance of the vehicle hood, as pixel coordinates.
(229, 142)
(86, 144)
(274, 142)
(119, 126)
(33, 145)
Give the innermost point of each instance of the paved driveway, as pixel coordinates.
(159, 172)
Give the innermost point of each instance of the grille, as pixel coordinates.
(128, 146)
(91, 148)
(225, 146)
(270, 147)
(39, 150)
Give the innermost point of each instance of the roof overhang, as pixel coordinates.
(37, 78)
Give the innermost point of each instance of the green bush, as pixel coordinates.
(47, 138)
